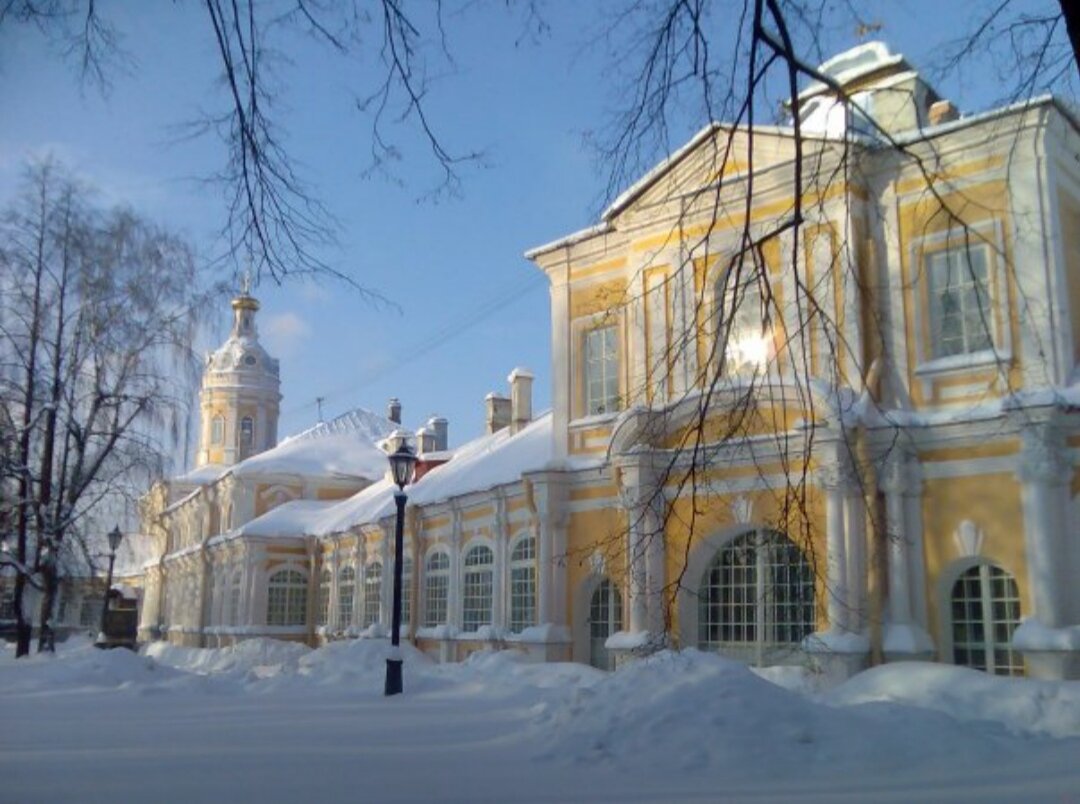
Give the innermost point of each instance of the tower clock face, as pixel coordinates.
(249, 360)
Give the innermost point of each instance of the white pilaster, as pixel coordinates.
(1044, 471)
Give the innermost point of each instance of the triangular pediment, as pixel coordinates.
(718, 154)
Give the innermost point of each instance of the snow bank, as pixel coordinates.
(78, 665)
(1023, 706)
(693, 710)
(246, 657)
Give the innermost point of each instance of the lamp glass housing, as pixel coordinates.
(402, 462)
(115, 537)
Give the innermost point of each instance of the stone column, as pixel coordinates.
(836, 576)
(335, 569)
(453, 603)
(642, 495)
(547, 496)
(1044, 471)
(359, 559)
(842, 649)
(500, 536)
(905, 635)
(386, 556)
(855, 527)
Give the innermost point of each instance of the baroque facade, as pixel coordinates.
(815, 398)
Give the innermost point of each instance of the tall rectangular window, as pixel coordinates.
(217, 430)
(960, 312)
(602, 370)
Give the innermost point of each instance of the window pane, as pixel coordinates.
(601, 371)
(960, 312)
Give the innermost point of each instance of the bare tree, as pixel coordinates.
(98, 318)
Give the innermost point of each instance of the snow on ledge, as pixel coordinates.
(904, 638)
(548, 633)
(1032, 635)
(628, 640)
(485, 633)
(436, 632)
(836, 640)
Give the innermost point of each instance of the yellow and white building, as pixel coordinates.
(815, 398)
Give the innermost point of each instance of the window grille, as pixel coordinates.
(960, 311)
(477, 587)
(602, 370)
(372, 593)
(605, 619)
(286, 598)
(985, 611)
(346, 593)
(325, 577)
(759, 589)
(436, 588)
(523, 585)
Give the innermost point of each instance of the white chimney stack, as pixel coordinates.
(498, 412)
(521, 380)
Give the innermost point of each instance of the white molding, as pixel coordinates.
(968, 538)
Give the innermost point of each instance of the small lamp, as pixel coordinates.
(402, 462)
(115, 537)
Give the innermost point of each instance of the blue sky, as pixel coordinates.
(471, 307)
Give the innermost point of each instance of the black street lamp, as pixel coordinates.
(402, 462)
(115, 537)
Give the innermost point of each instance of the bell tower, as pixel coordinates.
(240, 394)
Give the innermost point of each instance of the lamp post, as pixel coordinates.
(115, 537)
(402, 462)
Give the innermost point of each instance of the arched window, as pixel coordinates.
(247, 431)
(436, 586)
(759, 589)
(523, 585)
(985, 612)
(346, 587)
(605, 618)
(372, 593)
(234, 599)
(406, 589)
(286, 602)
(325, 577)
(217, 430)
(477, 585)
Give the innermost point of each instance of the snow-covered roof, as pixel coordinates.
(488, 461)
(202, 475)
(855, 63)
(357, 420)
(484, 463)
(345, 454)
(344, 446)
(293, 518)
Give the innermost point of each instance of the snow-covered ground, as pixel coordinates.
(269, 721)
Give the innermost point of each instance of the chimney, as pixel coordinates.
(498, 412)
(425, 441)
(943, 111)
(439, 426)
(393, 410)
(521, 380)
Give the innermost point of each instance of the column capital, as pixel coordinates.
(838, 475)
(1043, 457)
(900, 472)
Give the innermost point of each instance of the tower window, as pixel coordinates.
(217, 430)
(249, 360)
(247, 431)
